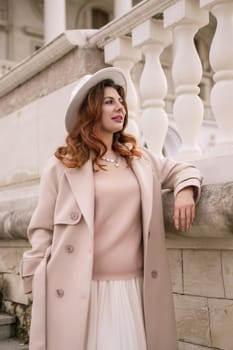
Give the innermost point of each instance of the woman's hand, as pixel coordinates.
(184, 209)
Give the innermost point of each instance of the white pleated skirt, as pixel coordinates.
(115, 320)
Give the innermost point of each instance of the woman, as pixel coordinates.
(98, 257)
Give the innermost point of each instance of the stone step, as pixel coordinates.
(7, 326)
(12, 344)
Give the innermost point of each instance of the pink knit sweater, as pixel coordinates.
(118, 232)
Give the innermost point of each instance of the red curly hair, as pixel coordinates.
(83, 143)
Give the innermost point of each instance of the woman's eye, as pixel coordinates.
(112, 101)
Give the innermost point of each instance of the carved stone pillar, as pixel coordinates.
(184, 18)
(221, 60)
(54, 18)
(121, 7)
(153, 38)
(120, 53)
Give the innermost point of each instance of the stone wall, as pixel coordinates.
(203, 301)
(13, 301)
(201, 263)
(64, 71)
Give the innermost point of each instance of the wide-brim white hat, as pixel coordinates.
(81, 89)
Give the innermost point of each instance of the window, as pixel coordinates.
(3, 10)
(99, 18)
(94, 15)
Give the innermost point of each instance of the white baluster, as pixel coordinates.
(121, 7)
(221, 60)
(185, 18)
(54, 18)
(153, 38)
(120, 53)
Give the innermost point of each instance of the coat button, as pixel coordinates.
(69, 248)
(60, 293)
(154, 274)
(74, 215)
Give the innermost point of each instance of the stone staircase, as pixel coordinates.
(7, 334)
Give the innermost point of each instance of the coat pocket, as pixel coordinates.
(29, 267)
(67, 215)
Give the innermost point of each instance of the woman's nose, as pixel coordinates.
(119, 106)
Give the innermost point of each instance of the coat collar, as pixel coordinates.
(82, 185)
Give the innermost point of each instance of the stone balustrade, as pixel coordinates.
(148, 34)
(181, 20)
(152, 38)
(184, 18)
(221, 60)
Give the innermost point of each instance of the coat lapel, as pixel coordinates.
(143, 171)
(82, 185)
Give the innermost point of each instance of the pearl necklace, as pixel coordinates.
(113, 161)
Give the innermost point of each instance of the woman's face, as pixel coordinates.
(113, 112)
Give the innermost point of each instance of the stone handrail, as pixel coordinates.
(126, 23)
(214, 217)
(214, 213)
(16, 208)
(42, 58)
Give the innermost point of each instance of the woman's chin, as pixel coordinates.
(118, 128)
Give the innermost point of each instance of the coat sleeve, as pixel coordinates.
(40, 229)
(176, 175)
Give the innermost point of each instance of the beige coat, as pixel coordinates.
(61, 235)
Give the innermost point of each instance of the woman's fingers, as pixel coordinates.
(184, 209)
(188, 218)
(184, 217)
(176, 218)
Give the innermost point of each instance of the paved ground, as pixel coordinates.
(12, 344)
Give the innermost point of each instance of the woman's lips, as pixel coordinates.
(118, 118)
